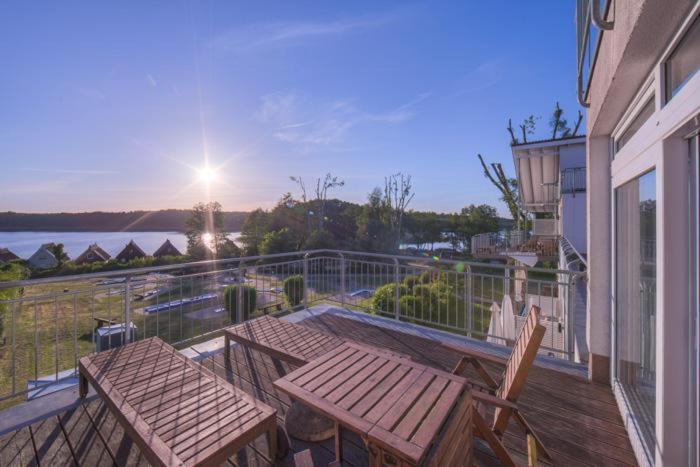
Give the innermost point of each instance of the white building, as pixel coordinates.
(43, 258)
(552, 184)
(638, 77)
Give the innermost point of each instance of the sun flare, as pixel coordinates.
(207, 175)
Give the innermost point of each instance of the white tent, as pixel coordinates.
(507, 319)
(495, 328)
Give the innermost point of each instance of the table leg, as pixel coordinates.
(227, 349)
(82, 386)
(338, 443)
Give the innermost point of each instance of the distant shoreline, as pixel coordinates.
(167, 220)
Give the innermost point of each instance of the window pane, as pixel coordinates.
(643, 115)
(684, 62)
(635, 298)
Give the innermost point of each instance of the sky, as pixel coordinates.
(115, 106)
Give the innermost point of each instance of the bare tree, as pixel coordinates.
(578, 123)
(322, 186)
(398, 193)
(508, 189)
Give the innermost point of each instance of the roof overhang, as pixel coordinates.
(537, 171)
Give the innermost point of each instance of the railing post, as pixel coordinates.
(239, 296)
(571, 316)
(470, 301)
(397, 285)
(127, 310)
(305, 285)
(342, 279)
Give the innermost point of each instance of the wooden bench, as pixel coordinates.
(407, 413)
(177, 411)
(289, 342)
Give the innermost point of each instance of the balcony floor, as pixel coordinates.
(578, 421)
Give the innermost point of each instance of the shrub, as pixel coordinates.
(294, 289)
(426, 277)
(411, 281)
(413, 306)
(383, 298)
(248, 300)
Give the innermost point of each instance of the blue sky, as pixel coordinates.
(111, 105)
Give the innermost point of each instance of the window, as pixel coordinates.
(684, 61)
(644, 114)
(635, 299)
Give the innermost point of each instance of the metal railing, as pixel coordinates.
(573, 180)
(52, 322)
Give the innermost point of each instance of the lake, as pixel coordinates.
(24, 244)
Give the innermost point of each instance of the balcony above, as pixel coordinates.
(538, 167)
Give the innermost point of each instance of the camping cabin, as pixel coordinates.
(43, 258)
(6, 256)
(130, 251)
(93, 254)
(166, 249)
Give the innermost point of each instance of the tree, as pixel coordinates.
(205, 231)
(323, 185)
(509, 191)
(59, 253)
(248, 301)
(256, 225)
(398, 193)
(372, 231)
(293, 287)
(278, 241)
(320, 240)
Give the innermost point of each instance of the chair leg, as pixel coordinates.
(227, 349)
(272, 440)
(485, 433)
(338, 443)
(529, 431)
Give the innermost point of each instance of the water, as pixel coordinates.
(24, 244)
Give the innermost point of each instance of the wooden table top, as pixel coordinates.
(177, 411)
(389, 400)
(281, 339)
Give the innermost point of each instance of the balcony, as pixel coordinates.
(541, 246)
(55, 321)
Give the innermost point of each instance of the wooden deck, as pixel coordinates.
(579, 422)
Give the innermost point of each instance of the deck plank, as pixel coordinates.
(16, 449)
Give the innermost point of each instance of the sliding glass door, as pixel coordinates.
(635, 298)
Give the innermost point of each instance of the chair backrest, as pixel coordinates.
(518, 365)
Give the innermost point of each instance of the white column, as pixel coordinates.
(672, 305)
(598, 322)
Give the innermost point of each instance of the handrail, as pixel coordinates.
(568, 249)
(245, 259)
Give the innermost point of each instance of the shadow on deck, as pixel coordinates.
(578, 421)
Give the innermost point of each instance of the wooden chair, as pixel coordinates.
(503, 394)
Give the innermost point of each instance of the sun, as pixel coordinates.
(207, 175)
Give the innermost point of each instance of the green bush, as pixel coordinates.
(414, 306)
(426, 277)
(248, 300)
(383, 298)
(411, 281)
(294, 289)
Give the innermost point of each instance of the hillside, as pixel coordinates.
(133, 221)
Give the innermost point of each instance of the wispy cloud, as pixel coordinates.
(70, 171)
(287, 33)
(301, 121)
(151, 80)
(90, 93)
(484, 76)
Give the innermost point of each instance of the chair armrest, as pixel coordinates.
(493, 400)
(474, 353)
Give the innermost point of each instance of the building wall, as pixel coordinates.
(629, 59)
(573, 220)
(42, 259)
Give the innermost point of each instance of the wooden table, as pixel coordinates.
(175, 410)
(407, 413)
(281, 339)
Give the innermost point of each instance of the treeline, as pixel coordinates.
(132, 221)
